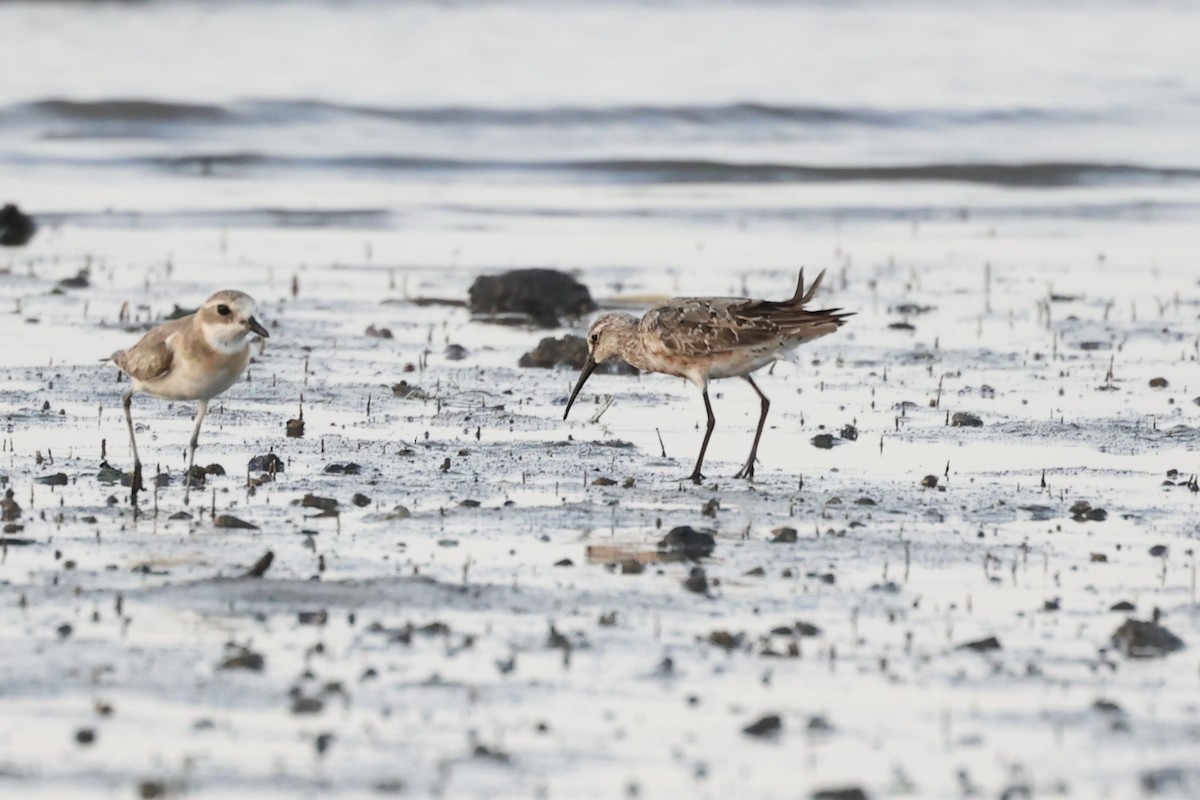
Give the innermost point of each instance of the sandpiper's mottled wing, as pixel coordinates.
(153, 356)
(696, 326)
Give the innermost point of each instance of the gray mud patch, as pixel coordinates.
(466, 595)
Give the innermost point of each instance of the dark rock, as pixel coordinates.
(726, 641)
(261, 566)
(379, 333)
(982, 645)
(1145, 639)
(1158, 383)
(770, 725)
(85, 735)
(689, 542)
(570, 351)
(965, 419)
(302, 704)
(849, 433)
(542, 295)
(294, 428)
(550, 352)
(455, 352)
(1122, 605)
(785, 535)
(564, 562)
(57, 479)
(360, 500)
(807, 629)
(603, 481)
(16, 227)
(408, 391)
(349, 468)
(696, 581)
(230, 521)
(270, 463)
(711, 508)
(824, 441)
(327, 505)
(843, 793)
(929, 481)
(243, 658)
(81, 280)
(1159, 551)
(9, 509)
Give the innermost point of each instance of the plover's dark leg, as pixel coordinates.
(696, 477)
(135, 483)
(187, 476)
(748, 470)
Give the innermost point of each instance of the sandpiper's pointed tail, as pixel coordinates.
(801, 297)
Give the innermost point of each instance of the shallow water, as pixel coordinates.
(680, 148)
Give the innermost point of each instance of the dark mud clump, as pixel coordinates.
(550, 352)
(571, 351)
(689, 542)
(542, 296)
(269, 463)
(1145, 639)
(770, 725)
(965, 419)
(16, 227)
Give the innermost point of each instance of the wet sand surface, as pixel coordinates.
(466, 596)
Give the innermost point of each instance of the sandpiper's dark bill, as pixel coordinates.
(589, 367)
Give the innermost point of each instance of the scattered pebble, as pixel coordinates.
(230, 521)
(688, 542)
(982, 645)
(767, 726)
(270, 463)
(785, 535)
(1145, 639)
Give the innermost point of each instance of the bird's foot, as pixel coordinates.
(696, 478)
(746, 472)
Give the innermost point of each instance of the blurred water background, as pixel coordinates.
(482, 115)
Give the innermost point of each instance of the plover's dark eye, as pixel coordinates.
(594, 338)
(223, 310)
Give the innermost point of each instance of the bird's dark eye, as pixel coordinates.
(223, 310)
(594, 338)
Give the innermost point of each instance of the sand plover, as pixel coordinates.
(707, 338)
(191, 358)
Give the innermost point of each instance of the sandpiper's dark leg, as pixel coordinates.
(187, 476)
(135, 483)
(712, 423)
(748, 470)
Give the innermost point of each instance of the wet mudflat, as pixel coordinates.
(442, 589)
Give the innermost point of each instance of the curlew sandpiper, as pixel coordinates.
(191, 358)
(707, 338)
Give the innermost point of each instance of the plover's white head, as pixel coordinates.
(226, 319)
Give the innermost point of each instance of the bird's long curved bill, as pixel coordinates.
(257, 327)
(588, 368)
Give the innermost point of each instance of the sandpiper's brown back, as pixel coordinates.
(710, 325)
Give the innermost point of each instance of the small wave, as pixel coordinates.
(1034, 174)
(275, 112)
(360, 218)
(124, 110)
